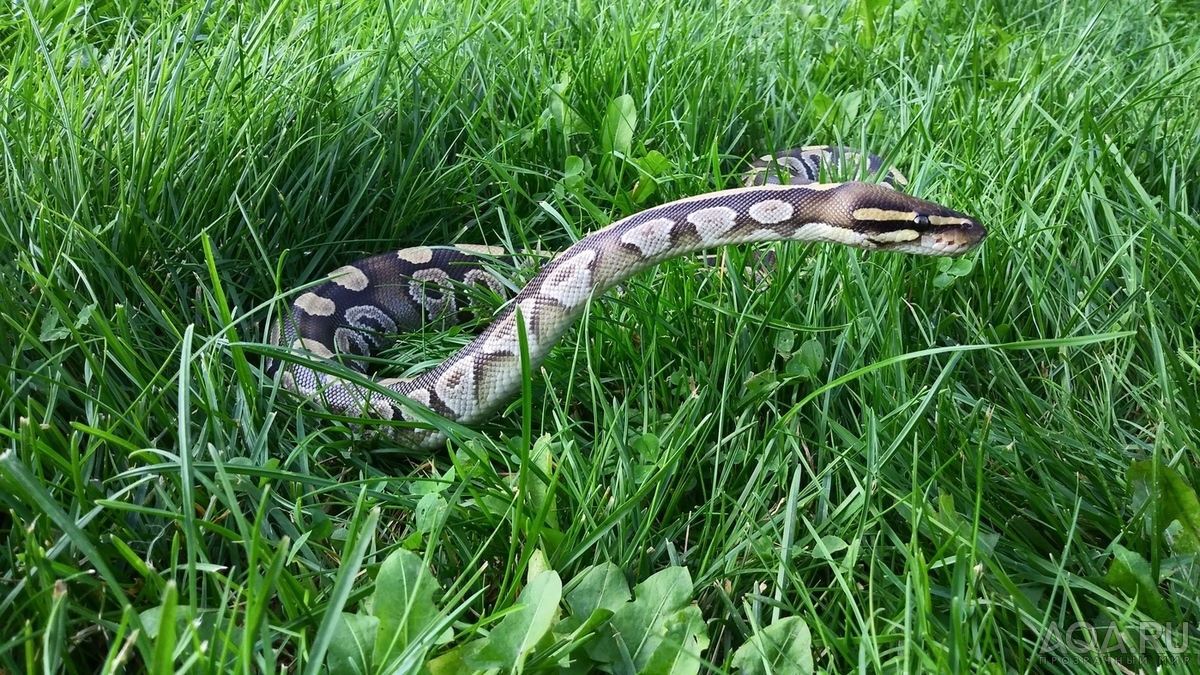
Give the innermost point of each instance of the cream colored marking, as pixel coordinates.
(391, 381)
(496, 251)
(275, 331)
(288, 381)
(420, 396)
(885, 215)
(948, 220)
(349, 277)
(895, 236)
(762, 235)
(315, 305)
(724, 195)
(381, 406)
(793, 169)
(795, 166)
(417, 255)
(503, 339)
(495, 374)
(651, 237)
(770, 211)
(830, 233)
(419, 286)
(342, 338)
(355, 315)
(481, 249)
(456, 386)
(571, 281)
(485, 278)
(712, 223)
(432, 275)
(313, 347)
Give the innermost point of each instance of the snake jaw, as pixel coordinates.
(941, 241)
(955, 240)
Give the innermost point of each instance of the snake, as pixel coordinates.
(359, 307)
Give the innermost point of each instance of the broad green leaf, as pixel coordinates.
(620, 119)
(85, 315)
(352, 645)
(571, 634)
(685, 638)
(511, 642)
(830, 544)
(539, 489)
(537, 565)
(1131, 573)
(784, 341)
(429, 511)
(761, 382)
(1174, 499)
(403, 603)
(849, 103)
(643, 190)
(961, 267)
(575, 171)
(600, 587)
(821, 105)
(414, 541)
(562, 114)
(654, 163)
(572, 629)
(574, 166)
(647, 446)
(807, 361)
(454, 662)
(783, 647)
(639, 625)
(866, 25)
(51, 331)
(643, 472)
(436, 484)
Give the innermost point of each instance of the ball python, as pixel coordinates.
(360, 304)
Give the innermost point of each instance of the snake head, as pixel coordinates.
(888, 220)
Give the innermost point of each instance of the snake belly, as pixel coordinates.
(353, 312)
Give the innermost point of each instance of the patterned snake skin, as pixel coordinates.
(353, 312)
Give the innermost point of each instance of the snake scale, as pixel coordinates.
(362, 303)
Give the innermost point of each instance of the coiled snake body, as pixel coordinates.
(362, 302)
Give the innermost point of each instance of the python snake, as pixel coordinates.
(353, 312)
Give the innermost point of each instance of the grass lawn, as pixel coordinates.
(863, 463)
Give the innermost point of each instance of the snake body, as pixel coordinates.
(352, 312)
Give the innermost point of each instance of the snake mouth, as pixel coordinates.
(942, 242)
(949, 241)
(937, 241)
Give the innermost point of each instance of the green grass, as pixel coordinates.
(170, 170)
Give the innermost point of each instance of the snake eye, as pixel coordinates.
(922, 220)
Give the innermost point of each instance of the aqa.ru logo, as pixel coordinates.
(1084, 638)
